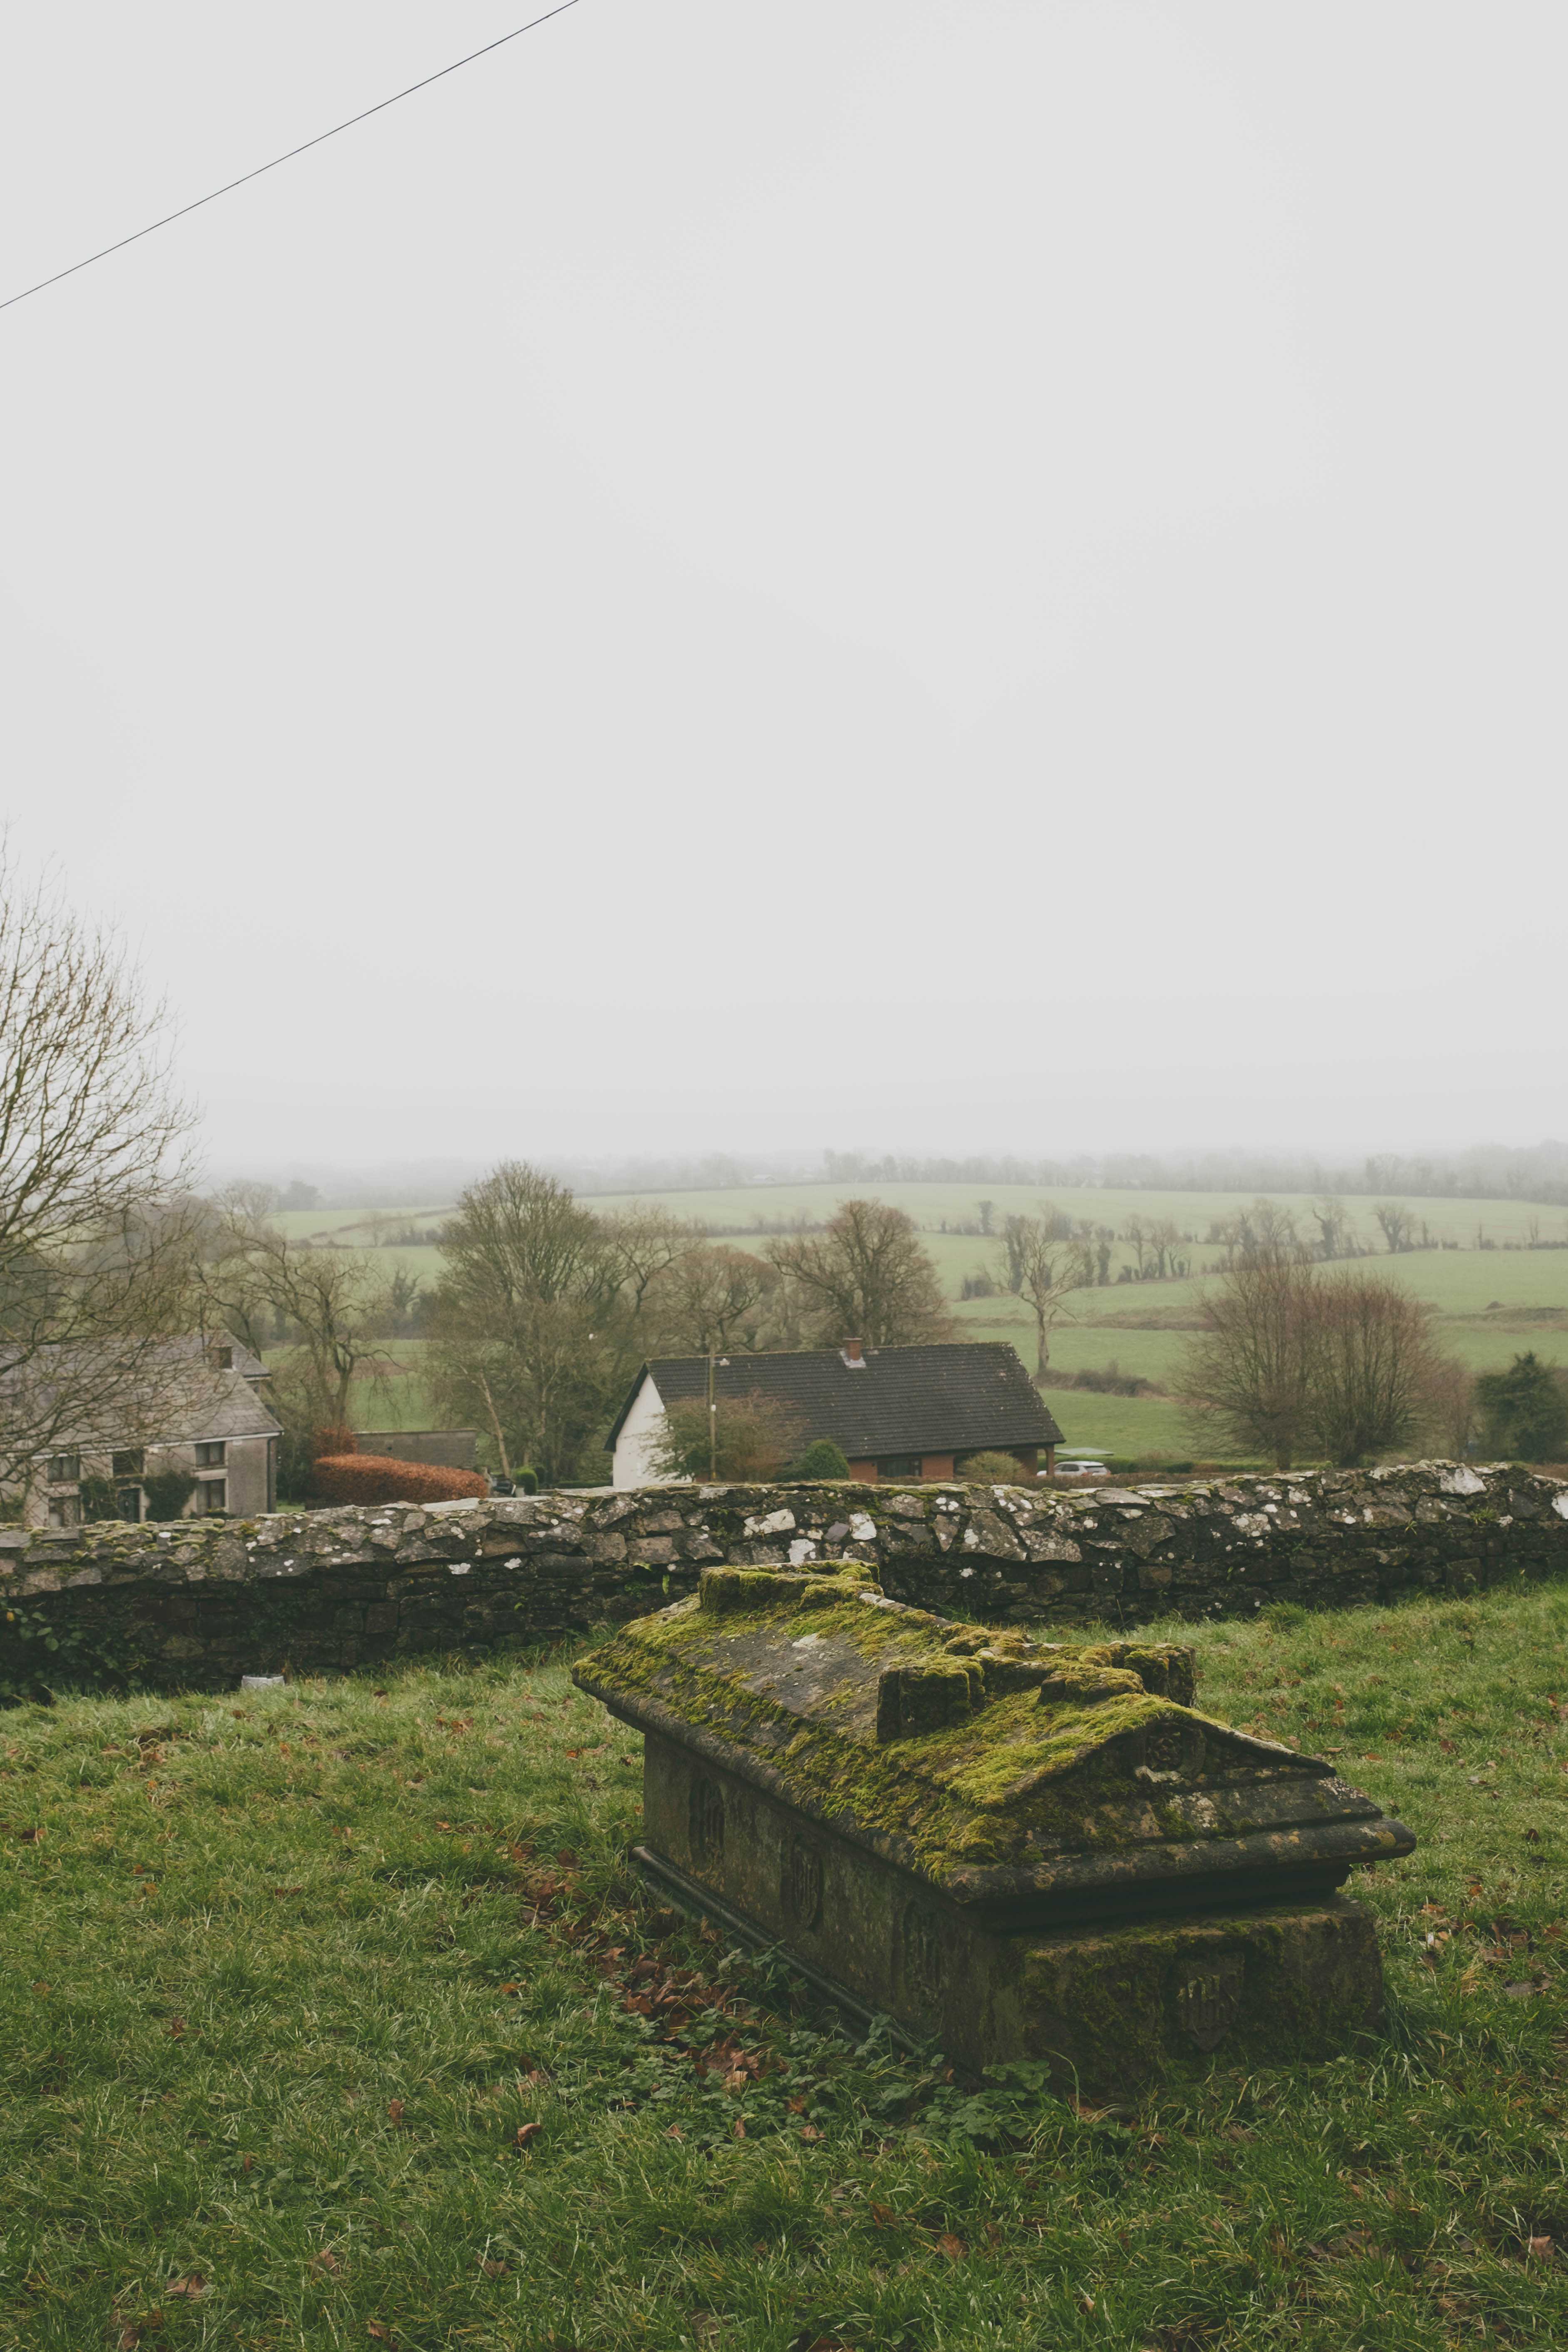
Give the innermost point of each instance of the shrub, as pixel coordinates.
(376, 1478)
(333, 1440)
(822, 1459)
(99, 1499)
(1525, 1411)
(755, 1437)
(526, 1481)
(167, 1493)
(992, 1467)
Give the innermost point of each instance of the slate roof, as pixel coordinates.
(185, 1399)
(951, 1397)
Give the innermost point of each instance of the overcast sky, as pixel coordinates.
(927, 573)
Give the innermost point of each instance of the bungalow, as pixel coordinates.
(895, 1412)
(201, 1415)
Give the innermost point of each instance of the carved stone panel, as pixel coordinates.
(1208, 1999)
(705, 1823)
(801, 1895)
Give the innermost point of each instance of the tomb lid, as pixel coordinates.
(998, 1768)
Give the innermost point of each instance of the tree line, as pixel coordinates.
(1493, 1171)
(545, 1307)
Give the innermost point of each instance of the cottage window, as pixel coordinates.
(214, 1493)
(223, 1359)
(210, 1454)
(65, 1511)
(63, 1469)
(130, 1463)
(899, 1466)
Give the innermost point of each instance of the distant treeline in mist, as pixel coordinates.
(1487, 1172)
(1537, 1173)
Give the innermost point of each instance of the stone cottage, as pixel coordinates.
(202, 1413)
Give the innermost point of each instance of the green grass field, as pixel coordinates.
(330, 2020)
(932, 1206)
(1491, 1303)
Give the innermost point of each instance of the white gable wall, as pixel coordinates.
(643, 1424)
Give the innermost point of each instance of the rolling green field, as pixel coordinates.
(1491, 1302)
(328, 2019)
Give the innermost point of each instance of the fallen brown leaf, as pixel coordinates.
(525, 2132)
(809, 2131)
(1540, 2249)
(192, 2287)
(954, 2248)
(382, 2334)
(494, 2270)
(326, 2259)
(177, 2029)
(884, 2217)
(394, 2110)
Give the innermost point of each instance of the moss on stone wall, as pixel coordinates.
(205, 1602)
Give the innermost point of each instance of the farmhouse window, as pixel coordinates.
(128, 1505)
(65, 1511)
(129, 1465)
(210, 1454)
(214, 1493)
(223, 1359)
(62, 1469)
(899, 1466)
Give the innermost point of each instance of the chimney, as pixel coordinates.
(850, 1351)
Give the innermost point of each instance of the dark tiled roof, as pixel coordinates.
(955, 1396)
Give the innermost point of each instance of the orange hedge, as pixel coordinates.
(377, 1478)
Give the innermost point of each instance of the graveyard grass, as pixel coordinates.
(326, 2022)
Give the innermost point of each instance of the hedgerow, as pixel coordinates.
(377, 1478)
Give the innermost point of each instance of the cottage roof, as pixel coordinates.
(181, 1396)
(950, 1397)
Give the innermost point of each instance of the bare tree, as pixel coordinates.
(1262, 1231)
(644, 1244)
(1449, 1413)
(531, 1299)
(96, 1226)
(1399, 1225)
(1049, 1270)
(1333, 1225)
(710, 1297)
(1250, 1375)
(1164, 1238)
(332, 1307)
(866, 1275)
(1372, 1365)
(1343, 1364)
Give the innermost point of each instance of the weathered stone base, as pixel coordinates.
(1110, 2011)
(1107, 2006)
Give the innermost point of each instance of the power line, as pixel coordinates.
(229, 186)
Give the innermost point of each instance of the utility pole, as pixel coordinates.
(712, 1426)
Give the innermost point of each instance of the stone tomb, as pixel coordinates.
(1020, 1849)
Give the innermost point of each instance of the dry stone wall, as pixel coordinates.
(204, 1601)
